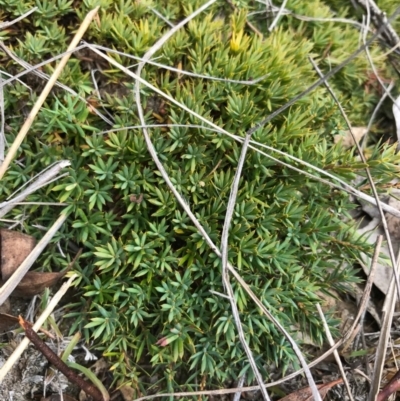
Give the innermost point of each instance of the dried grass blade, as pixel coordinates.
(28, 122)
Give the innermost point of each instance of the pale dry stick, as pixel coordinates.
(387, 312)
(29, 68)
(335, 353)
(390, 51)
(225, 276)
(42, 318)
(159, 15)
(177, 70)
(48, 172)
(346, 187)
(21, 17)
(357, 193)
(374, 113)
(9, 286)
(28, 122)
(379, 19)
(278, 15)
(42, 203)
(16, 79)
(10, 204)
(388, 316)
(317, 83)
(237, 395)
(225, 273)
(370, 180)
(311, 19)
(44, 178)
(40, 74)
(361, 309)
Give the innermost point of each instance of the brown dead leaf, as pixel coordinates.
(14, 248)
(128, 393)
(305, 393)
(33, 283)
(347, 140)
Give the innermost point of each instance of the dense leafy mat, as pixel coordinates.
(146, 273)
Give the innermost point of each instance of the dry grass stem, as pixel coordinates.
(9, 286)
(379, 19)
(347, 186)
(374, 113)
(278, 16)
(28, 122)
(49, 175)
(225, 276)
(370, 180)
(42, 318)
(21, 17)
(335, 353)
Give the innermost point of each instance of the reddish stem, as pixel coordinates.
(54, 359)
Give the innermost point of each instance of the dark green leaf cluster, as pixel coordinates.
(147, 279)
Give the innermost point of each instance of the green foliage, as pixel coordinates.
(147, 279)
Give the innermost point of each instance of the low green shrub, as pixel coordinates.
(147, 279)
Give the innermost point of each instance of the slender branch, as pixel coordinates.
(55, 360)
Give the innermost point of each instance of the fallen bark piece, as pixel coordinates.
(33, 283)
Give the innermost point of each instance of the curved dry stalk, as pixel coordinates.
(335, 353)
(350, 189)
(14, 21)
(39, 323)
(391, 296)
(45, 177)
(225, 277)
(28, 122)
(349, 334)
(9, 286)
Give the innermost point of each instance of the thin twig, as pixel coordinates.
(25, 342)
(45, 177)
(321, 80)
(55, 360)
(21, 17)
(374, 113)
(357, 193)
(278, 15)
(379, 19)
(28, 122)
(335, 353)
(177, 70)
(36, 70)
(381, 349)
(237, 395)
